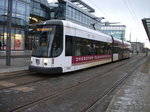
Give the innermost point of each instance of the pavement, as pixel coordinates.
(20, 60)
(132, 97)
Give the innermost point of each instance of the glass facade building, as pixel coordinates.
(117, 31)
(39, 11)
(68, 11)
(24, 13)
(20, 22)
(27, 13)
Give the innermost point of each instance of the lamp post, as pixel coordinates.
(8, 44)
(98, 19)
(136, 46)
(130, 36)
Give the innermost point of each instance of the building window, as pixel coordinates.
(2, 4)
(20, 8)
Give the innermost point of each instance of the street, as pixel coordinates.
(87, 90)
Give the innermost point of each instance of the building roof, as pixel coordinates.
(146, 24)
(82, 5)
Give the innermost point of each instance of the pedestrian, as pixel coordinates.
(146, 50)
(132, 51)
(0, 45)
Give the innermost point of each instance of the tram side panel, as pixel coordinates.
(127, 50)
(69, 32)
(117, 49)
(86, 52)
(81, 48)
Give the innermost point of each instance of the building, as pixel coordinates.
(137, 47)
(24, 13)
(39, 11)
(27, 13)
(70, 10)
(146, 24)
(117, 31)
(20, 23)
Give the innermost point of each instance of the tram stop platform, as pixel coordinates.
(134, 95)
(20, 60)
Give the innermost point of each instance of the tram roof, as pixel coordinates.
(146, 24)
(92, 34)
(127, 43)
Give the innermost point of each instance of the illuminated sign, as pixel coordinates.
(44, 29)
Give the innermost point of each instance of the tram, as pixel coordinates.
(61, 46)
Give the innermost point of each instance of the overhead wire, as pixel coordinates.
(102, 11)
(132, 13)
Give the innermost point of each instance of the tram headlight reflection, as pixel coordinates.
(31, 60)
(45, 61)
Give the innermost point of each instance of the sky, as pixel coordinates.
(127, 12)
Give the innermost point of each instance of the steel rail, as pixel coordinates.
(65, 89)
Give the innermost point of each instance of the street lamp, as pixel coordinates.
(98, 19)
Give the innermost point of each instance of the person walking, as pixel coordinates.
(146, 51)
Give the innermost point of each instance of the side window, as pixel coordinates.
(69, 46)
(57, 45)
(116, 48)
(77, 47)
(107, 48)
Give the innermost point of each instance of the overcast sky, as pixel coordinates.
(128, 12)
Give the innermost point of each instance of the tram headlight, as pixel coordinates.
(45, 61)
(31, 60)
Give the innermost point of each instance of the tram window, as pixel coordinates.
(117, 48)
(57, 45)
(43, 39)
(48, 41)
(102, 47)
(85, 48)
(69, 47)
(107, 48)
(82, 47)
(78, 46)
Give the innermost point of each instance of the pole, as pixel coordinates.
(130, 36)
(136, 46)
(8, 44)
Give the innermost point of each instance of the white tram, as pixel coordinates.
(62, 46)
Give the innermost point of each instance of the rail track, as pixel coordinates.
(21, 78)
(112, 89)
(9, 75)
(70, 87)
(32, 77)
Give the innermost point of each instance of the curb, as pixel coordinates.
(13, 69)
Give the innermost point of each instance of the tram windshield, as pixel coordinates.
(48, 41)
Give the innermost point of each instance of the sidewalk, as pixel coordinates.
(134, 95)
(20, 60)
(25, 53)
